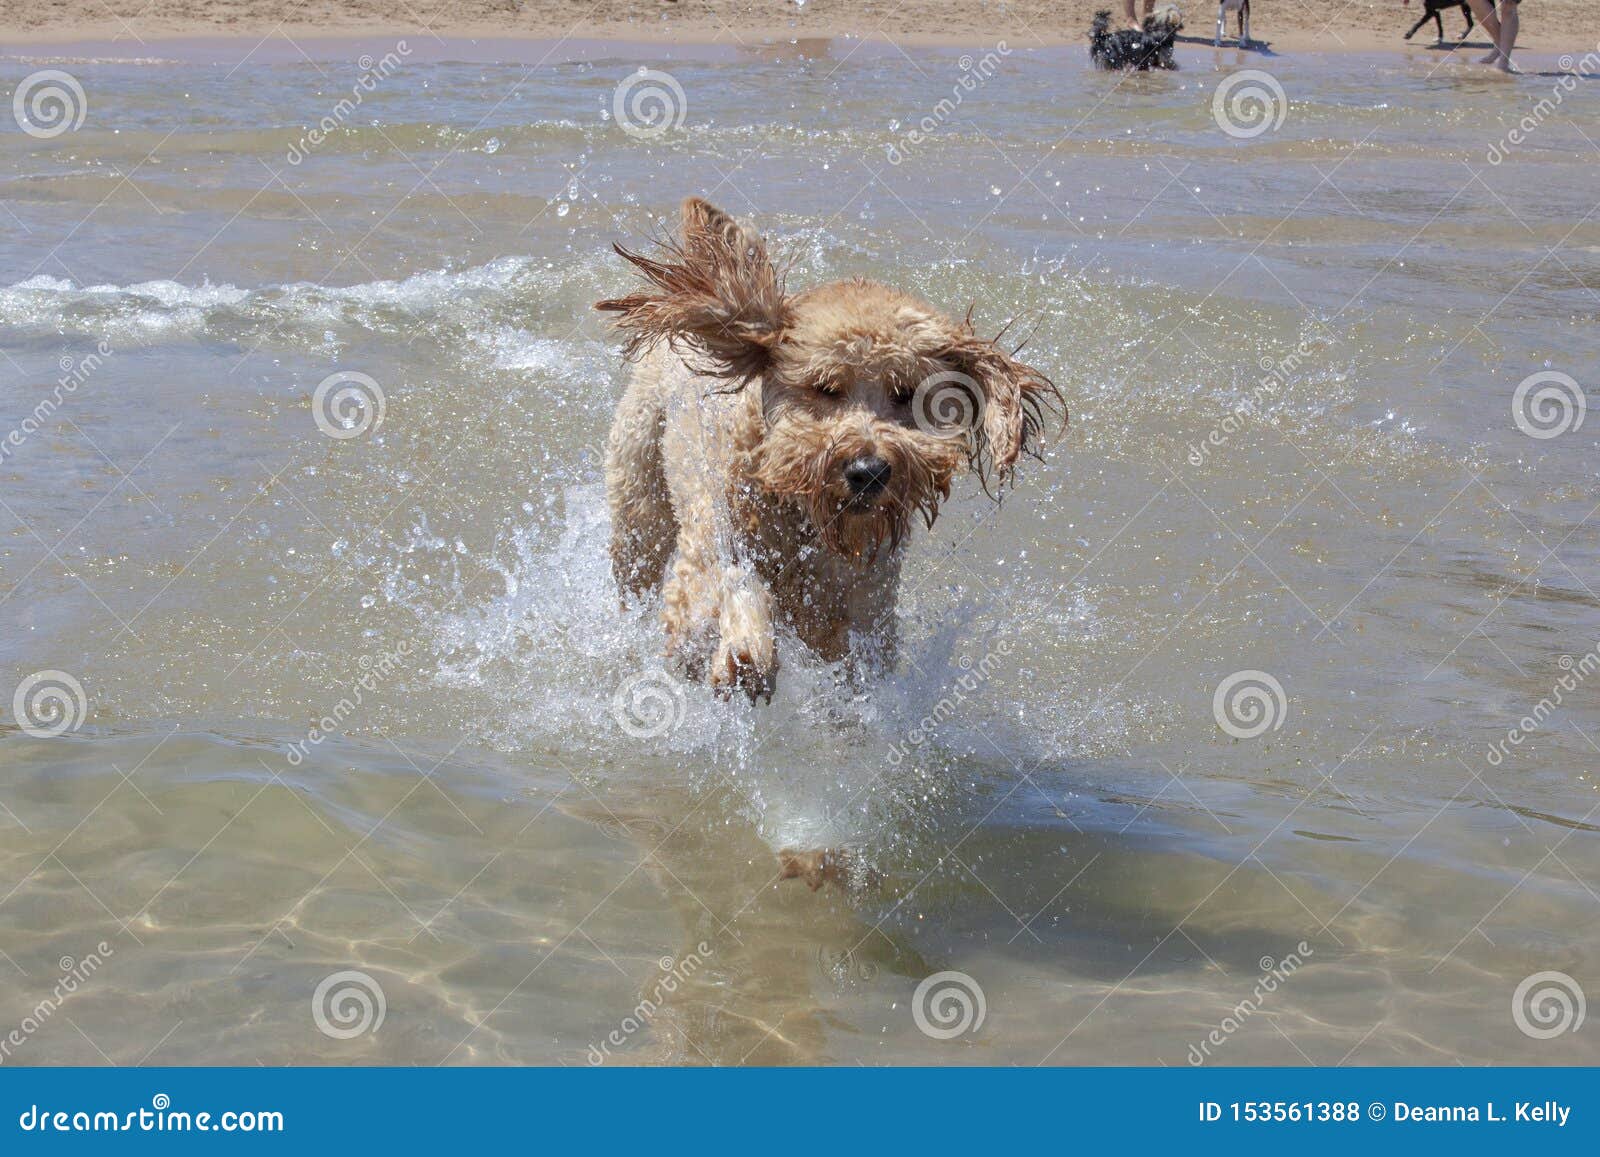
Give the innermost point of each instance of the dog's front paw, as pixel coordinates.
(748, 667)
(826, 865)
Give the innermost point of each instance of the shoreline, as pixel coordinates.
(519, 30)
(293, 44)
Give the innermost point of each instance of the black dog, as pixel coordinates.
(1142, 49)
(1434, 8)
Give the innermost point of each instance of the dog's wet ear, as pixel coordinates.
(1015, 399)
(714, 291)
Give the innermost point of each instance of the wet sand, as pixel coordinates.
(1554, 26)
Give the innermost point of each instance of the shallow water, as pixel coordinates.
(526, 849)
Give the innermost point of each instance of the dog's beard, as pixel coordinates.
(801, 460)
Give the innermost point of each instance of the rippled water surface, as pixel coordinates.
(1290, 360)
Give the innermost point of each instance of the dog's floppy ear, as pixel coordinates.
(1014, 400)
(713, 290)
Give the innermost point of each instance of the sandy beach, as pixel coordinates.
(1359, 25)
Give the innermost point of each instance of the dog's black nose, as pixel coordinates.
(867, 476)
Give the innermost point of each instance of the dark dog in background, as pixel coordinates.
(1433, 8)
(1140, 49)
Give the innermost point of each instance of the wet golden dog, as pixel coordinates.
(773, 449)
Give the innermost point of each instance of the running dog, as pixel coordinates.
(773, 449)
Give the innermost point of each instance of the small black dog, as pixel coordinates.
(1142, 49)
(1433, 8)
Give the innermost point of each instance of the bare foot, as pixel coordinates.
(1489, 57)
(1507, 66)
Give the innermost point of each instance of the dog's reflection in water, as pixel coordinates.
(747, 983)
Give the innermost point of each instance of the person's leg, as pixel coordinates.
(1510, 21)
(1491, 25)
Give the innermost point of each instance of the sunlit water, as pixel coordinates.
(527, 849)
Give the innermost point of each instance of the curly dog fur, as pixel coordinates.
(772, 450)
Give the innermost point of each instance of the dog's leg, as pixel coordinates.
(1438, 19)
(718, 618)
(1418, 25)
(747, 651)
(1468, 10)
(1244, 24)
(643, 528)
(1222, 18)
